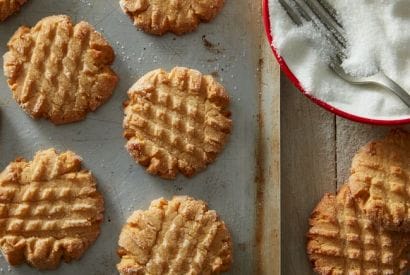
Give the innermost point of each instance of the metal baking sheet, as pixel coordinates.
(229, 49)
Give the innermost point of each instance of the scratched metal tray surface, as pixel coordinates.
(228, 48)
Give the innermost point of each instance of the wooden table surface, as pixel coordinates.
(316, 152)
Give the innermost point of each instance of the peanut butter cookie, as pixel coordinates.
(59, 71)
(342, 240)
(177, 16)
(380, 180)
(177, 121)
(50, 210)
(8, 7)
(180, 236)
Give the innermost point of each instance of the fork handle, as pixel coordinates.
(384, 80)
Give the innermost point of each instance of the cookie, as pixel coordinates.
(50, 210)
(380, 180)
(161, 16)
(180, 236)
(342, 240)
(177, 121)
(59, 71)
(8, 7)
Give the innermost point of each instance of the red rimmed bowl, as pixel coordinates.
(296, 82)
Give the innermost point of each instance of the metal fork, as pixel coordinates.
(324, 18)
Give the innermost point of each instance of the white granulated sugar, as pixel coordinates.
(378, 34)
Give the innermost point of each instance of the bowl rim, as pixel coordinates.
(284, 67)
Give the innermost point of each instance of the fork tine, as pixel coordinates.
(321, 9)
(330, 10)
(299, 6)
(299, 11)
(303, 11)
(296, 18)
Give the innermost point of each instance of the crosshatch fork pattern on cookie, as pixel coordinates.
(180, 236)
(50, 210)
(176, 122)
(58, 70)
(341, 240)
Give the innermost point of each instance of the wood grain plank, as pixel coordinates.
(307, 171)
(267, 176)
(269, 158)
